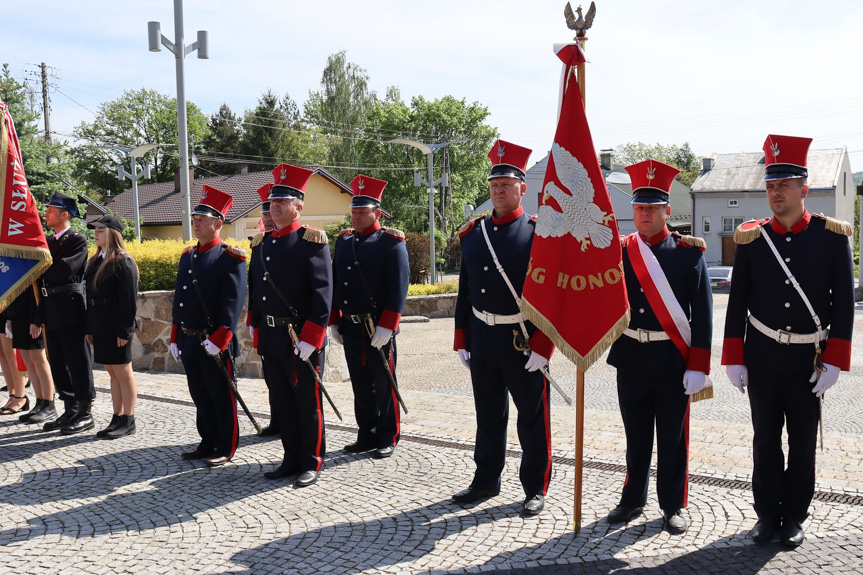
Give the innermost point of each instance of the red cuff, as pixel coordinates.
(541, 344)
(175, 328)
(313, 333)
(255, 332)
(459, 340)
(699, 360)
(838, 353)
(390, 320)
(335, 317)
(732, 351)
(249, 317)
(221, 337)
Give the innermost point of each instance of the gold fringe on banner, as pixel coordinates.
(706, 393)
(583, 362)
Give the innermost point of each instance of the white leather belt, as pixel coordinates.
(645, 335)
(497, 319)
(787, 337)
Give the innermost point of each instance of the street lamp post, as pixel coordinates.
(180, 50)
(134, 175)
(429, 150)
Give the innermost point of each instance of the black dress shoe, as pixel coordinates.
(623, 514)
(307, 478)
(46, 413)
(764, 530)
(283, 470)
(533, 505)
(384, 452)
(217, 460)
(473, 494)
(197, 453)
(791, 533)
(270, 430)
(675, 522)
(70, 413)
(360, 446)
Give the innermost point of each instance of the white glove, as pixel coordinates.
(826, 381)
(335, 335)
(175, 352)
(252, 332)
(694, 381)
(739, 376)
(211, 347)
(304, 350)
(9, 329)
(382, 337)
(464, 356)
(535, 362)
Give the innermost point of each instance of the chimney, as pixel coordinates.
(707, 164)
(242, 168)
(177, 178)
(606, 159)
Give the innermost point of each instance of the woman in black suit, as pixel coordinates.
(111, 280)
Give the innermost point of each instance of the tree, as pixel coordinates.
(135, 118)
(222, 142)
(680, 157)
(339, 109)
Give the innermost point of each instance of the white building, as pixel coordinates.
(729, 191)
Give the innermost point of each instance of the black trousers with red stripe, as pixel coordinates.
(297, 400)
(497, 369)
(655, 402)
(215, 403)
(375, 404)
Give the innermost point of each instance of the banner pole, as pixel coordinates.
(579, 391)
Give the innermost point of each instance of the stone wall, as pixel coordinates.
(150, 345)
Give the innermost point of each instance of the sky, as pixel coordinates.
(718, 75)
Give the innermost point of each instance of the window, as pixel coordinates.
(705, 225)
(728, 224)
(732, 203)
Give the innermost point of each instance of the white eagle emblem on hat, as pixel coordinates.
(283, 174)
(580, 216)
(501, 150)
(774, 149)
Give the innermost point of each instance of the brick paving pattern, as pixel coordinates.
(78, 504)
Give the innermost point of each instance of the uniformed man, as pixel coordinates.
(208, 301)
(62, 312)
(663, 356)
(292, 295)
(489, 340)
(371, 277)
(794, 278)
(272, 428)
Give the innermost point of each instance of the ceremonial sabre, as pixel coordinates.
(370, 328)
(295, 338)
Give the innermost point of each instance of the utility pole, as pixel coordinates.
(45, 107)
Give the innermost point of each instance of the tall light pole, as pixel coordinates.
(134, 175)
(179, 49)
(429, 150)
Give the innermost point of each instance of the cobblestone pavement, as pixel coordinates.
(82, 505)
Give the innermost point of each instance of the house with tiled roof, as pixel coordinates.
(729, 191)
(327, 201)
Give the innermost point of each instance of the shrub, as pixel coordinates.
(432, 289)
(418, 257)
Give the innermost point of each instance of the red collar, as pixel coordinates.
(801, 224)
(657, 238)
(369, 230)
(277, 233)
(510, 217)
(202, 248)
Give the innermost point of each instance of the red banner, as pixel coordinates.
(574, 290)
(24, 254)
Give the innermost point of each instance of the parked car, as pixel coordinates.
(720, 278)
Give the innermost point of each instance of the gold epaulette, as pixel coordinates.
(397, 234)
(750, 231)
(345, 232)
(836, 226)
(468, 226)
(314, 235)
(690, 241)
(256, 241)
(188, 249)
(622, 241)
(236, 252)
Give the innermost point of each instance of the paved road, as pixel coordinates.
(82, 505)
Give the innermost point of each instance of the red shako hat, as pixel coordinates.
(651, 181)
(508, 160)
(214, 203)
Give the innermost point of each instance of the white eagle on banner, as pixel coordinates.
(580, 217)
